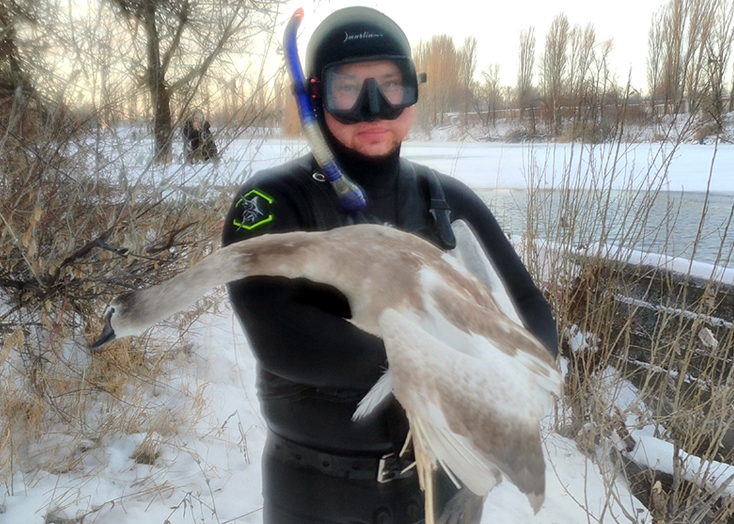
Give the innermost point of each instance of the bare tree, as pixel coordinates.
(19, 51)
(467, 68)
(581, 59)
(583, 91)
(489, 94)
(718, 53)
(607, 83)
(553, 69)
(674, 64)
(83, 65)
(677, 57)
(525, 68)
(440, 59)
(701, 23)
(182, 40)
(656, 50)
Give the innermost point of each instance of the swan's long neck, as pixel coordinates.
(270, 255)
(351, 259)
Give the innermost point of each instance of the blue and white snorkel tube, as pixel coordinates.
(350, 194)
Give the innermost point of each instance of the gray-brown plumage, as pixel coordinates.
(474, 383)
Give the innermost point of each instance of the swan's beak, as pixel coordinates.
(108, 333)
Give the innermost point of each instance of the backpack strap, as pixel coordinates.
(438, 222)
(440, 211)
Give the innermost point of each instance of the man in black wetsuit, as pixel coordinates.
(315, 366)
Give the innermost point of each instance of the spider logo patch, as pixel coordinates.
(255, 209)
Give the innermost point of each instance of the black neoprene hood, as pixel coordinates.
(352, 34)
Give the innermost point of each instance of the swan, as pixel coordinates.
(473, 381)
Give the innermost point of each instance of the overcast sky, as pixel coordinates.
(497, 26)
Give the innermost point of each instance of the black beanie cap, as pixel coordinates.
(351, 34)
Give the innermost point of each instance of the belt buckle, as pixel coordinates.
(390, 469)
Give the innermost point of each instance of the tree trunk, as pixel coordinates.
(160, 95)
(15, 75)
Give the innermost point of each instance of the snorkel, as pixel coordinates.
(350, 195)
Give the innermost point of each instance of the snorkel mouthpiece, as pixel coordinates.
(350, 195)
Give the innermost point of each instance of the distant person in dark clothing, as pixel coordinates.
(199, 143)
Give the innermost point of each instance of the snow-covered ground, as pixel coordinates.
(481, 165)
(208, 469)
(500, 165)
(211, 431)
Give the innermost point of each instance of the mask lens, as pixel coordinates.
(342, 90)
(375, 87)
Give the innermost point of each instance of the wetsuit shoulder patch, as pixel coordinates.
(253, 209)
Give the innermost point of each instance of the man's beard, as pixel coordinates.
(342, 151)
(372, 159)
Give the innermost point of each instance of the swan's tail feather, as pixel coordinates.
(374, 397)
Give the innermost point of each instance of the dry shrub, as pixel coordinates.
(79, 223)
(622, 324)
(148, 450)
(706, 130)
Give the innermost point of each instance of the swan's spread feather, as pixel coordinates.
(472, 256)
(473, 381)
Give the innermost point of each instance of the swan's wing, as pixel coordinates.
(506, 330)
(470, 253)
(474, 417)
(482, 332)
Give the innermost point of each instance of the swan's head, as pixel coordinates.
(120, 320)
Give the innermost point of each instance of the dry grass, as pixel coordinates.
(79, 225)
(652, 327)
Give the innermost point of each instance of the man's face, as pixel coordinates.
(378, 138)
